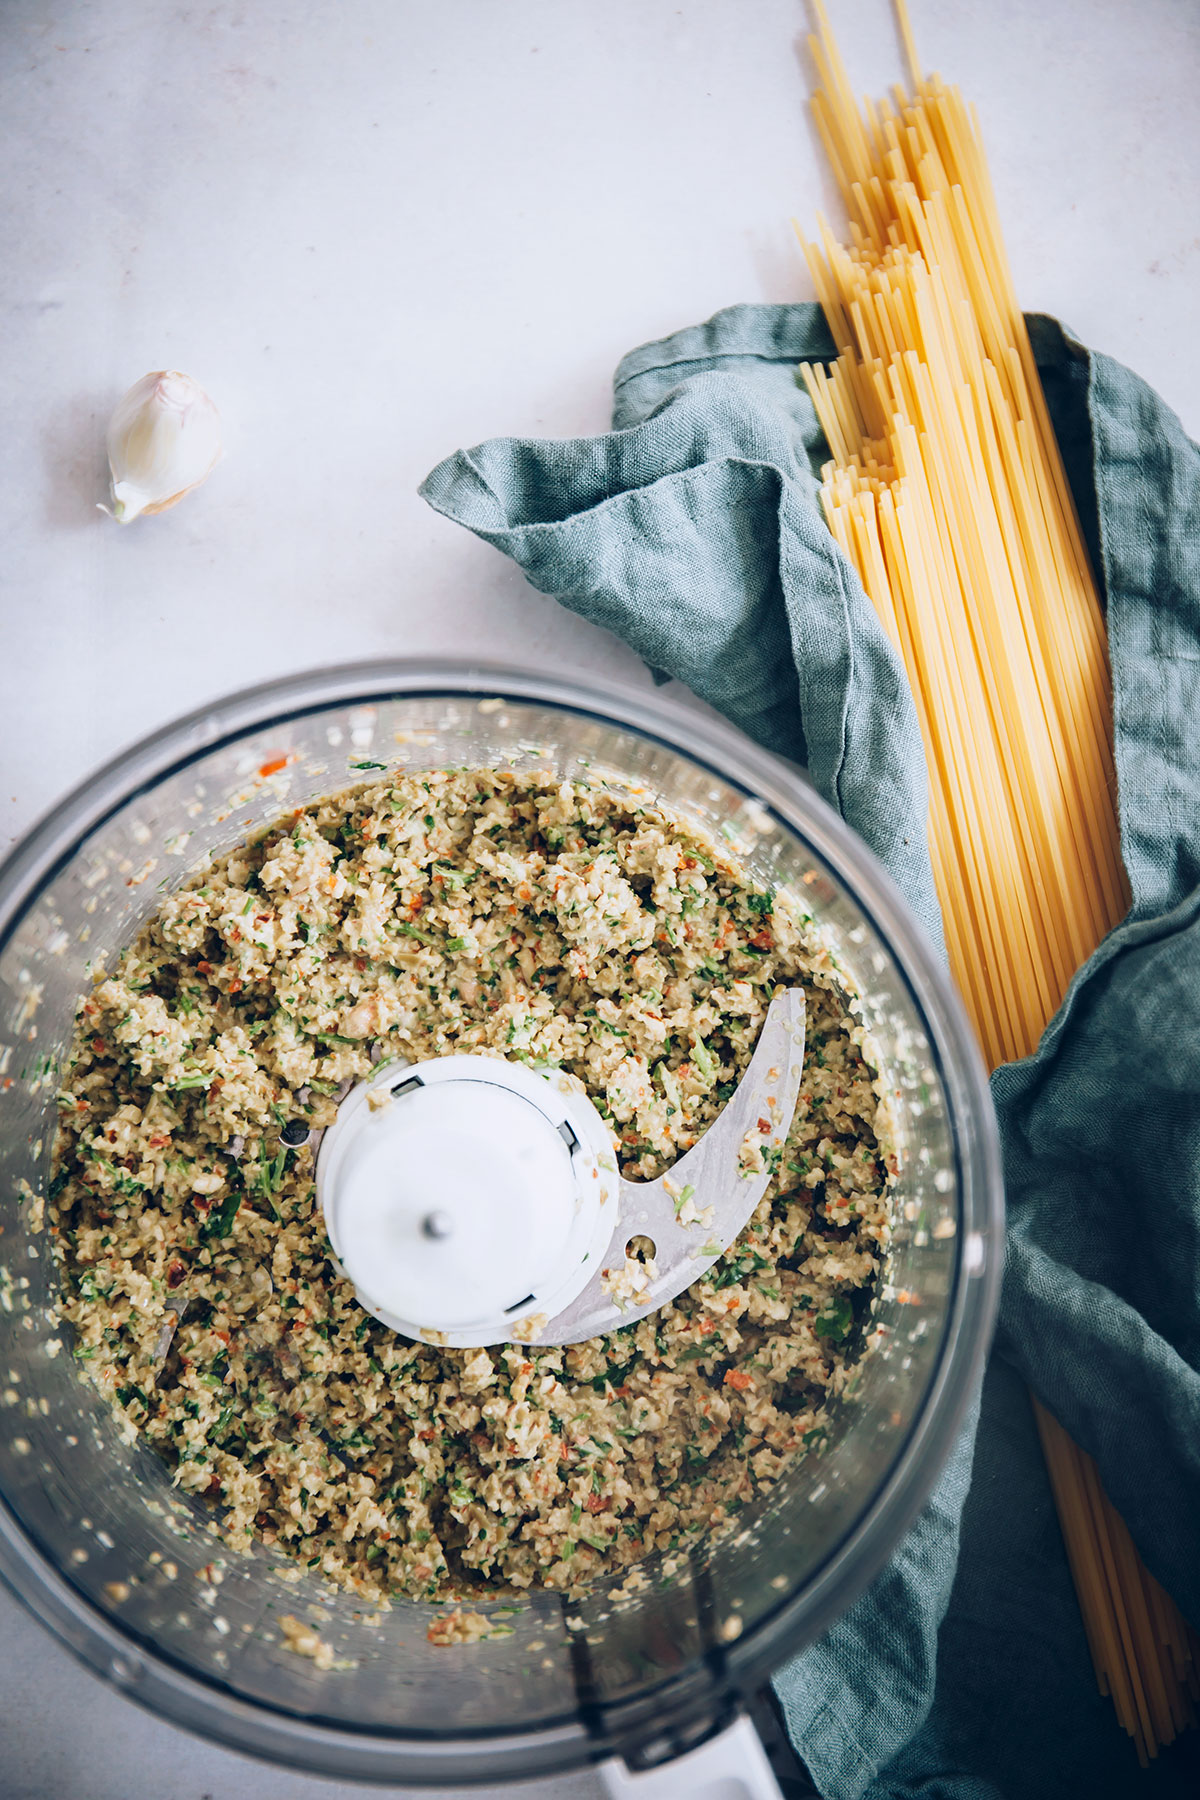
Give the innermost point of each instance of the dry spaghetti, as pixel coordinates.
(947, 493)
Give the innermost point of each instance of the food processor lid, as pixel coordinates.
(473, 1200)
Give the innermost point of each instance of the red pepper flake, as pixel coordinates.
(737, 1378)
(204, 968)
(762, 940)
(273, 766)
(98, 1045)
(235, 986)
(764, 1124)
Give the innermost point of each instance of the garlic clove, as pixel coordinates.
(164, 439)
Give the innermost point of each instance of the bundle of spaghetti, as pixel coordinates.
(947, 493)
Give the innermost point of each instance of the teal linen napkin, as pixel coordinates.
(693, 531)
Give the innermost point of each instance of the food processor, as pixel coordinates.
(645, 1680)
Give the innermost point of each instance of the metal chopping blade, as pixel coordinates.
(720, 1181)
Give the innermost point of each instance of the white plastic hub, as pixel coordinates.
(467, 1195)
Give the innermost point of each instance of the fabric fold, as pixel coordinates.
(693, 532)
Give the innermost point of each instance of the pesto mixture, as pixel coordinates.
(519, 915)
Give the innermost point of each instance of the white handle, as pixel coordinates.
(731, 1766)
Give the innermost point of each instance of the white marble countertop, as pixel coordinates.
(381, 230)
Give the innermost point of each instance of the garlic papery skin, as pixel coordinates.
(163, 440)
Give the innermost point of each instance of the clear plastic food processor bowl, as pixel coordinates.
(120, 1566)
